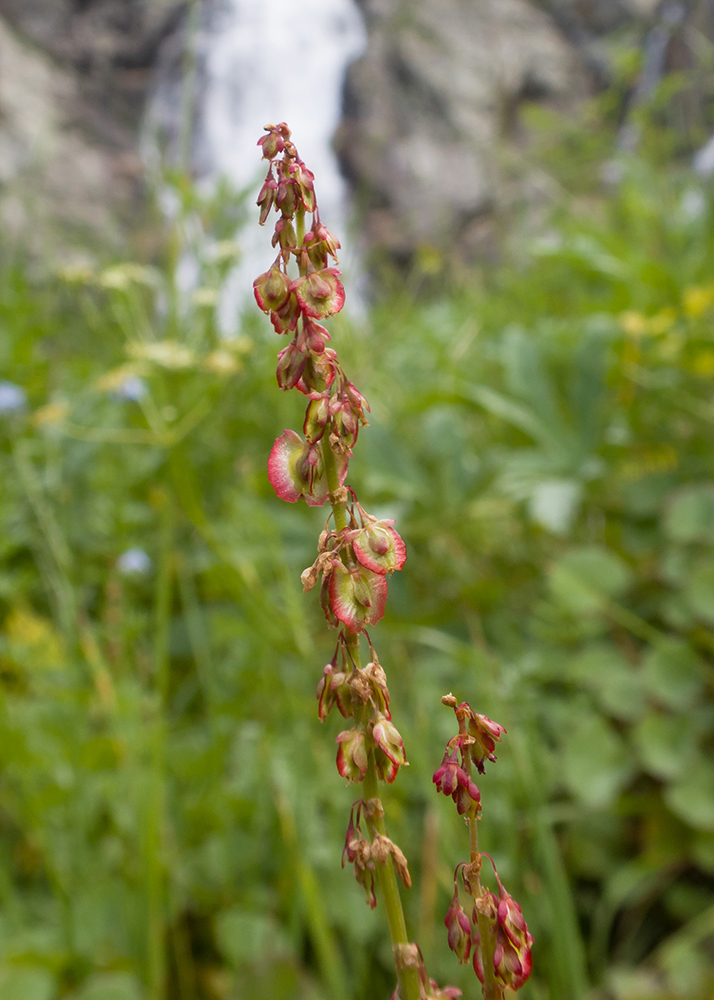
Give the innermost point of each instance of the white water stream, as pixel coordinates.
(265, 61)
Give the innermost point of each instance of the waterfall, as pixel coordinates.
(258, 61)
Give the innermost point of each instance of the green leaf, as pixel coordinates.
(665, 745)
(110, 986)
(595, 762)
(585, 577)
(673, 674)
(700, 592)
(690, 518)
(19, 983)
(692, 798)
(247, 936)
(614, 682)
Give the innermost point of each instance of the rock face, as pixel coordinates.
(431, 126)
(427, 106)
(73, 77)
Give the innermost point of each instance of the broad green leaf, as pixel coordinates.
(584, 578)
(690, 517)
(596, 763)
(666, 746)
(24, 983)
(110, 986)
(616, 684)
(673, 674)
(700, 591)
(246, 936)
(692, 798)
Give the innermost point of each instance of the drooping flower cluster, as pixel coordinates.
(474, 745)
(354, 564)
(363, 853)
(361, 694)
(495, 935)
(512, 958)
(295, 303)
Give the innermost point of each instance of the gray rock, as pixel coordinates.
(427, 107)
(73, 79)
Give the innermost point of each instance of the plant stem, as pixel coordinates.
(156, 806)
(386, 875)
(387, 879)
(492, 990)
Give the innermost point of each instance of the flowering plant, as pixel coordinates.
(356, 553)
(496, 933)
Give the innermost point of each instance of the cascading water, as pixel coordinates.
(252, 62)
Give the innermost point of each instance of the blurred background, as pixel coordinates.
(524, 188)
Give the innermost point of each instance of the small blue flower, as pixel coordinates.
(134, 562)
(132, 388)
(12, 397)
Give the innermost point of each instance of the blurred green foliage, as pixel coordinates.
(171, 820)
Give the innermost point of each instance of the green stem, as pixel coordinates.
(156, 807)
(389, 887)
(300, 220)
(386, 875)
(492, 990)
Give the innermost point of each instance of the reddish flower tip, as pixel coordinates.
(292, 475)
(358, 596)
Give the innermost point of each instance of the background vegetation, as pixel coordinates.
(171, 821)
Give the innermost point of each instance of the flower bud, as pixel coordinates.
(284, 233)
(291, 365)
(446, 777)
(512, 958)
(316, 251)
(486, 733)
(271, 289)
(272, 143)
(321, 293)
(458, 926)
(285, 319)
(305, 180)
(316, 418)
(466, 795)
(345, 422)
(319, 373)
(352, 754)
(385, 767)
(312, 337)
(352, 838)
(332, 690)
(287, 196)
(357, 596)
(266, 197)
(388, 739)
(330, 615)
(325, 236)
(365, 877)
(378, 684)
